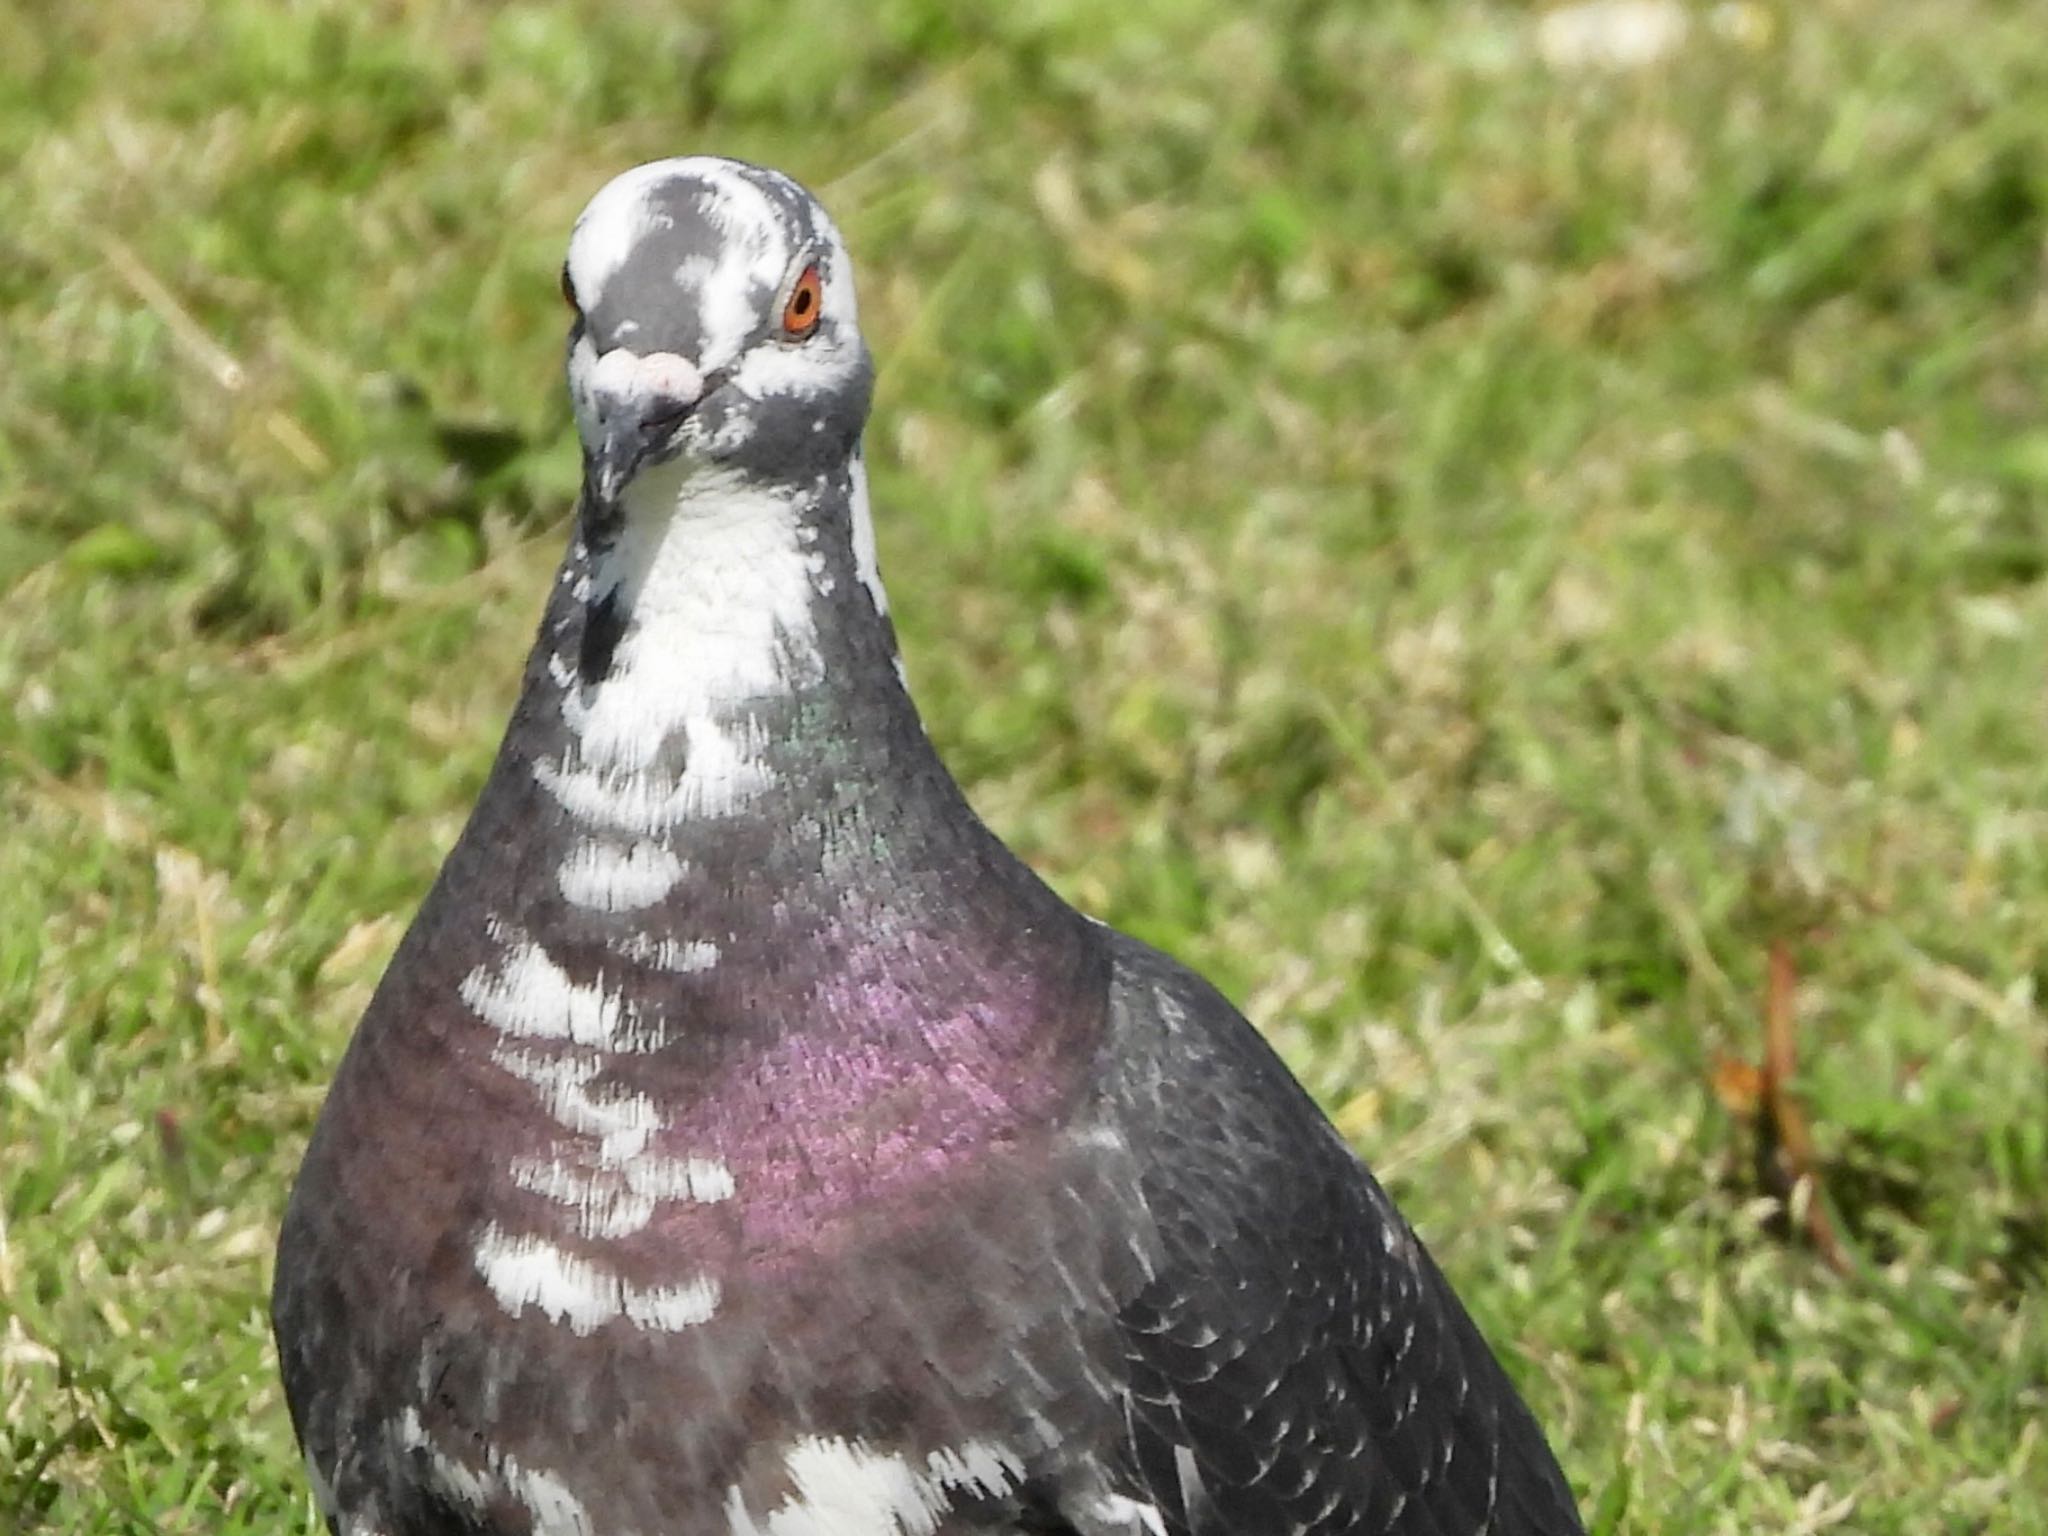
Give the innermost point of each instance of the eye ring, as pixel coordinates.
(805, 306)
(569, 291)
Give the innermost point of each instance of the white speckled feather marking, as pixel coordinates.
(844, 1488)
(1114, 1514)
(716, 583)
(618, 219)
(605, 877)
(606, 1171)
(551, 1508)
(527, 1271)
(529, 997)
(612, 1202)
(865, 560)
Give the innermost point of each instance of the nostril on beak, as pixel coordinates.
(658, 382)
(667, 376)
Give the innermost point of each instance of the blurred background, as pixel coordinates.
(1515, 538)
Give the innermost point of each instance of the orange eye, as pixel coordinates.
(806, 304)
(569, 291)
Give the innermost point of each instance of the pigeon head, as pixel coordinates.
(715, 329)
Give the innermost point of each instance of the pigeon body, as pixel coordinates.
(742, 1142)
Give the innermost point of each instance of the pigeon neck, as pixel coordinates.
(715, 596)
(723, 653)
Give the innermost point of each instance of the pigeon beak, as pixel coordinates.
(627, 443)
(641, 402)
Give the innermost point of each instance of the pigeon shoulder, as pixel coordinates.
(1296, 1361)
(1183, 1064)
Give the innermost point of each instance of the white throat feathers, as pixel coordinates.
(717, 586)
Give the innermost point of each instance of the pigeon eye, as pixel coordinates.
(569, 291)
(806, 303)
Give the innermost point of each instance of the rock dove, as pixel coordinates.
(743, 1142)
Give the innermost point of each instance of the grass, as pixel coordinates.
(1470, 554)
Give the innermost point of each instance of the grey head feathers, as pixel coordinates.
(685, 275)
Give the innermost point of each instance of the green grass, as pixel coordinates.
(1467, 555)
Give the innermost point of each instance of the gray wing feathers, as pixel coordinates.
(1296, 1363)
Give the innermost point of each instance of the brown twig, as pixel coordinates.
(1787, 1148)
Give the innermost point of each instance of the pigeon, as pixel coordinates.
(743, 1142)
